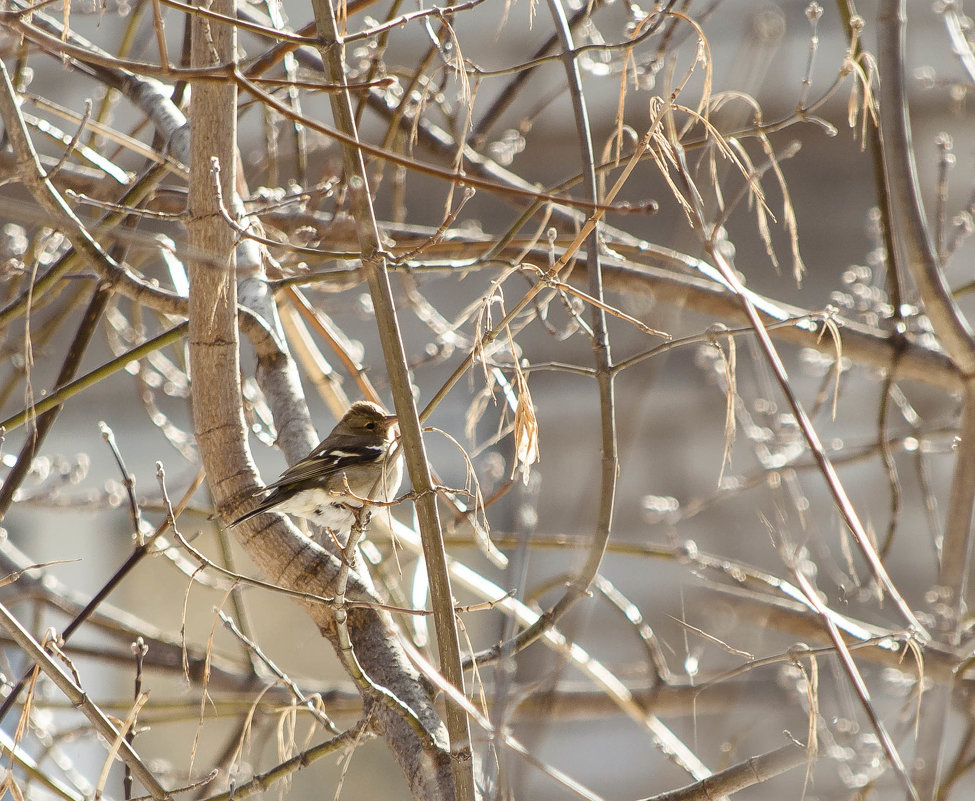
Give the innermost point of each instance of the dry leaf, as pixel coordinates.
(526, 428)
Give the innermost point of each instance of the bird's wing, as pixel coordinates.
(321, 465)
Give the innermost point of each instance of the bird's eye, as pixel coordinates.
(371, 426)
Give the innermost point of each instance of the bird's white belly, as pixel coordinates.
(323, 509)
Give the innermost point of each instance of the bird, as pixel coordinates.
(357, 456)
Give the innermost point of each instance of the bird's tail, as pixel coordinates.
(267, 503)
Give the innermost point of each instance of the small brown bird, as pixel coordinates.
(356, 454)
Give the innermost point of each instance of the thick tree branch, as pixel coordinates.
(374, 266)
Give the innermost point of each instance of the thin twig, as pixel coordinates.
(82, 702)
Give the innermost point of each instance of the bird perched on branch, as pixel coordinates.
(355, 457)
